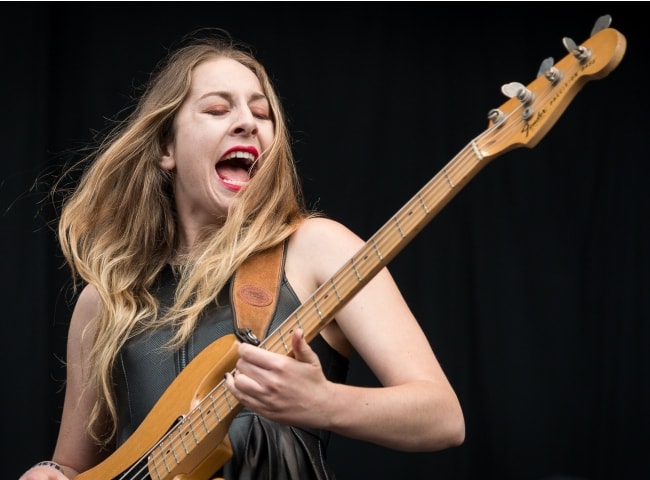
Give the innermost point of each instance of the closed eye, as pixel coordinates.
(216, 112)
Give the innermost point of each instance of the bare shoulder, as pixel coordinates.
(326, 235)
(85, 311)
(88, 296)
(317, 250)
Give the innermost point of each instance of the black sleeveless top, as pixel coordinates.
(262, 449)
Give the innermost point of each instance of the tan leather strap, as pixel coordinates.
(254, 293)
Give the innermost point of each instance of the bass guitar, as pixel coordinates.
(185, 436)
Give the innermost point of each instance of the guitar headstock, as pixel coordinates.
(533, 109)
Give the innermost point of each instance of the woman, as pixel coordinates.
(199, 179)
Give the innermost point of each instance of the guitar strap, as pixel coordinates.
(254, 293)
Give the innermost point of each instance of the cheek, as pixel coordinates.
(266, 135)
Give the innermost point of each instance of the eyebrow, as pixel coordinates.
(228, 96)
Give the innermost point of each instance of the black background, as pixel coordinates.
(532, 284)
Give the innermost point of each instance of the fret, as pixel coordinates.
(379, 255)
(406, 216)
(164, 459)
(284, 343)
(226, 395)
(205, 425)
(320, 314)
(173, 451)
(196, 438)
(155, 466)
(298, 322)
(399, 227)
(423, 203)
(336, 290)
(477, 152)
(449, 180)
(354, 268)
(182, 437)
(215, 409)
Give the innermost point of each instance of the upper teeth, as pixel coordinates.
(249, 157)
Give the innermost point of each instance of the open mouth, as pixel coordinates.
(236, 168)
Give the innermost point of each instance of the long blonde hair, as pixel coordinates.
(117, 229)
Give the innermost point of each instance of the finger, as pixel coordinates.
(301, 349)
(250, 355)
(255, 367)
(229, 378)
(240, 384)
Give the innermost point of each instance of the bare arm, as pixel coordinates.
(417, 409)
(75, 450)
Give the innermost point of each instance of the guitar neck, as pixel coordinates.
(520, 122)
(319, 309)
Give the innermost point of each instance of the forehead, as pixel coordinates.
(224, 74)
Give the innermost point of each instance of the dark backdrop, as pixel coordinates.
(532, 285)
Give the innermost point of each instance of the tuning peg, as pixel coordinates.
(497, 117)
(601, 24)
(580, 52)
(545, 65)
(583, 53)
(547, 69)
(525, 96)
(516, 89)
(512, 90)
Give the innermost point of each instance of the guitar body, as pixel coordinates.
(192, 385)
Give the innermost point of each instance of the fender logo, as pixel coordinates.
(529, 126)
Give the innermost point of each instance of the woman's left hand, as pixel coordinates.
(284, 388)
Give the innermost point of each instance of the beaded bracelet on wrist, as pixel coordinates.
(49, 464)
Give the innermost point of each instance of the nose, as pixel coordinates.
(245, 123)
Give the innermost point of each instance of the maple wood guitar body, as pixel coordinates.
(191, 387)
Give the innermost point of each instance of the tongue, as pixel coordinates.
(230, 172)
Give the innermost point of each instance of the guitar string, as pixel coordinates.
(437, 188)
(456, 163)
(502, 130)
(346, 272)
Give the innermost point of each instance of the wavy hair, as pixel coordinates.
(117, 228)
